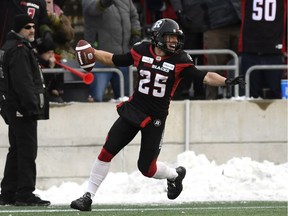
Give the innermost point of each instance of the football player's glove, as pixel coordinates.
(237, 80)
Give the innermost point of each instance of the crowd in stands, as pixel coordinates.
(110, 25)
(115, 25)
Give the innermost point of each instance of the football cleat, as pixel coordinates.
(83, 203)
(175, 187)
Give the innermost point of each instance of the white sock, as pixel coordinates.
(165, 172)
(98, 173)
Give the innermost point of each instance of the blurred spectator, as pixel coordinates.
(36, 9)
(152, 10)
(54, 81)
(62, 31)
(156, 8)
(224, 20)
(262, 42)
(192, 20)
(110, 25)
(60, 3)
(63, 36)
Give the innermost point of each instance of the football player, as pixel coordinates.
(161, 64)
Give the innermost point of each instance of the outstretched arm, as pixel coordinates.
(104, 57)
(214, 79)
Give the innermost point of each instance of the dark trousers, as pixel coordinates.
(260, 79)
(20, 168)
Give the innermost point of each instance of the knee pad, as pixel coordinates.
(151, 170)
(105, 155)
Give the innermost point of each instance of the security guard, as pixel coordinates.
(26, 103)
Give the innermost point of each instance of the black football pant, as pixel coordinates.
(122, 133)
(20, 168)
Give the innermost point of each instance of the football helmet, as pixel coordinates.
(164, 27)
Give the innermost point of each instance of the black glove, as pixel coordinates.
(237, 80)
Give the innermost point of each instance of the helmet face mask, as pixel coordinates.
(161, 30)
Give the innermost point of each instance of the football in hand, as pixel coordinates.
(85, 55)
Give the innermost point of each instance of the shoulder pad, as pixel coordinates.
(140, 45)
(185, 57)
(189, 57)
(143, 42)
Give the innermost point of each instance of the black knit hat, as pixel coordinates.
(45, 46)
(20, 21)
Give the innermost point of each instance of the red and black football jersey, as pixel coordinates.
(263, 27)
(158, 78)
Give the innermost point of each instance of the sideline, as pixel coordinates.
(145, 209)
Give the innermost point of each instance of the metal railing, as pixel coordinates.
(97, 70)
(132, 69)
(234, 67)
(131, 80)
(260, 67)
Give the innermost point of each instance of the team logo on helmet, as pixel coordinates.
(164, 27)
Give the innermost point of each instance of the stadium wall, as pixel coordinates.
(70, 141)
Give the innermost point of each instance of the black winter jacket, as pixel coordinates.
(23, 76)
(203, 15)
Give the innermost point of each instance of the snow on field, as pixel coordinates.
(238, 179)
